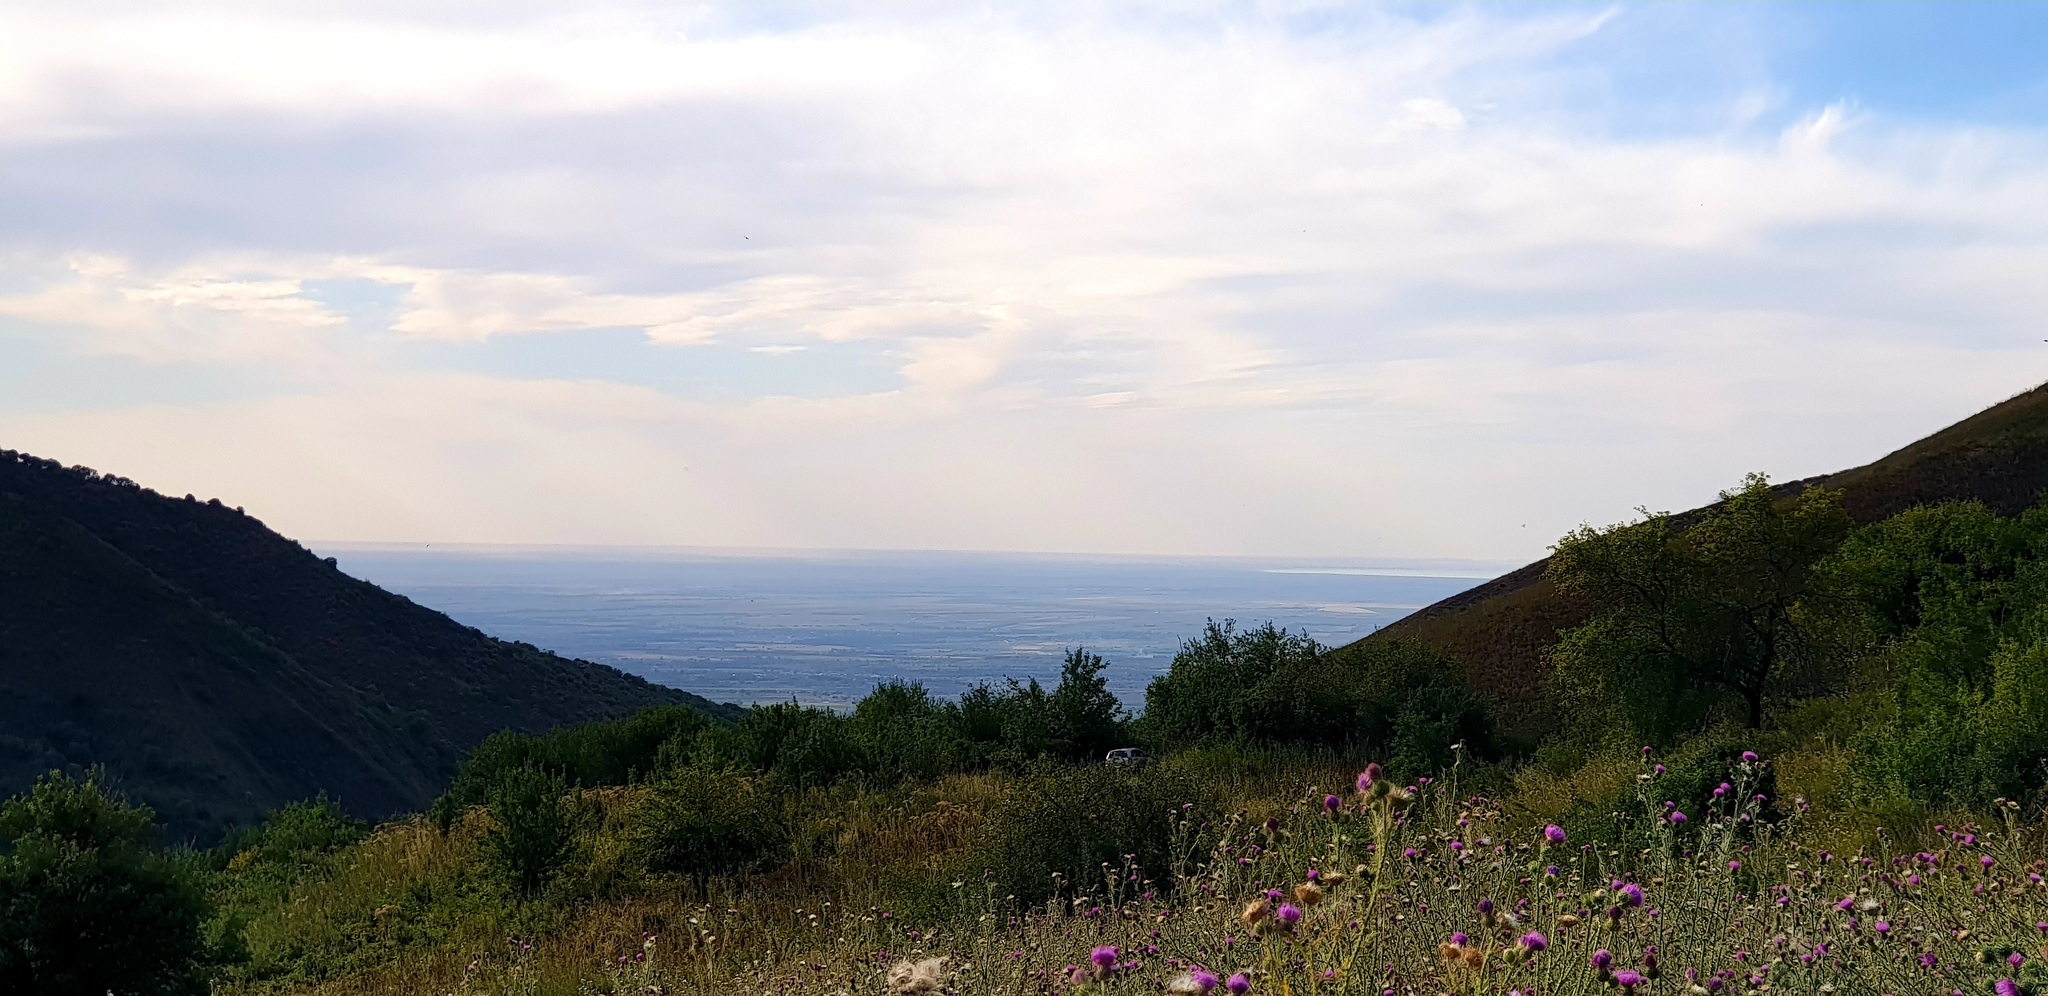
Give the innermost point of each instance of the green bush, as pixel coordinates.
(1269, 686)
(700, 823)
(1074, 821)
(588, 755)
(87, 905)
(530, 831)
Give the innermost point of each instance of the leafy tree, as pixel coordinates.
(530, 833)
(1269, 686)
(1231, 685)
(1685, 617)
(1087, 718)
(87, 905)
(1954, 601)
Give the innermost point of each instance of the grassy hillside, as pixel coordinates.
(1498, 633)
(220, 670)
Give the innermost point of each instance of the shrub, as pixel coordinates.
(701, 823)
(530, 832)
(1074, 820)
(87, 904)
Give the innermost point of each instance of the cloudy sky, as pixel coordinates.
(1191, 278)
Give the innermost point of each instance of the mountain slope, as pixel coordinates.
(220, 669)
(1499, 632)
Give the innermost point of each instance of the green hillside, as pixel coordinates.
(220, 670)
(1498, 633)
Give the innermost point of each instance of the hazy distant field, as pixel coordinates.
(823, 628)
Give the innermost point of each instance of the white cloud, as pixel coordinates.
(1368, 287)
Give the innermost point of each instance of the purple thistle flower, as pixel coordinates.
(1881, 927)
(1367, 777)
(1660, 769)
(1749, 756)
(1288, 914)
(1632, 891)
(1238, 984)
(1677, 818)
(2006, 987)
(1203, 979)
(1104, 956)
(1554, 834)
(1603, 958)
(1535, 941)
(1628, 979)
(1332, 803)
(1460, 939)
(2015, 959)
(1723, 789)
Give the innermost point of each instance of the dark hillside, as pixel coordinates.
(1499, 632)
(220, 669)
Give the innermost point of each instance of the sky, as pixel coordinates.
(1285, 278)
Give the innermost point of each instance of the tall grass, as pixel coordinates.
(1337, 891)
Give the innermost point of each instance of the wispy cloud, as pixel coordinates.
(1315, 280)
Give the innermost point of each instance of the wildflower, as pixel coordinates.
(1238, 984)
(1369, 777)
(1104, 956)
(1332, 803)
(1658, 769)
(1677, 818)
(1253, 913)
(926, 976)
(1554, 834)
(1195, 983)
(1749, 757)
(1535, 941)
(1881, 927)
(1846, 904)
(1628, 979)
(1287, 915)
(1308, 894)
(1601, 959)
(1632, 892)
(2007, 987)
(1723, 789)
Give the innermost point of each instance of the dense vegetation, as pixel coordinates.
(1891, 676)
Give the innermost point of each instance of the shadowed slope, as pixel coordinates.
(220, 669)
(1499, 632)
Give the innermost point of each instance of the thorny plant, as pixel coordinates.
(1399, 890)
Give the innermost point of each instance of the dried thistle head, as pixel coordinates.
(1308, 893)
(917, 977)
(1253, 912)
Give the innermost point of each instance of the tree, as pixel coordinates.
(530, 834)
(87, 905)
(1686, 616)
(1087, 717)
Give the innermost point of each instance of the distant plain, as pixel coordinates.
(823, 627)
